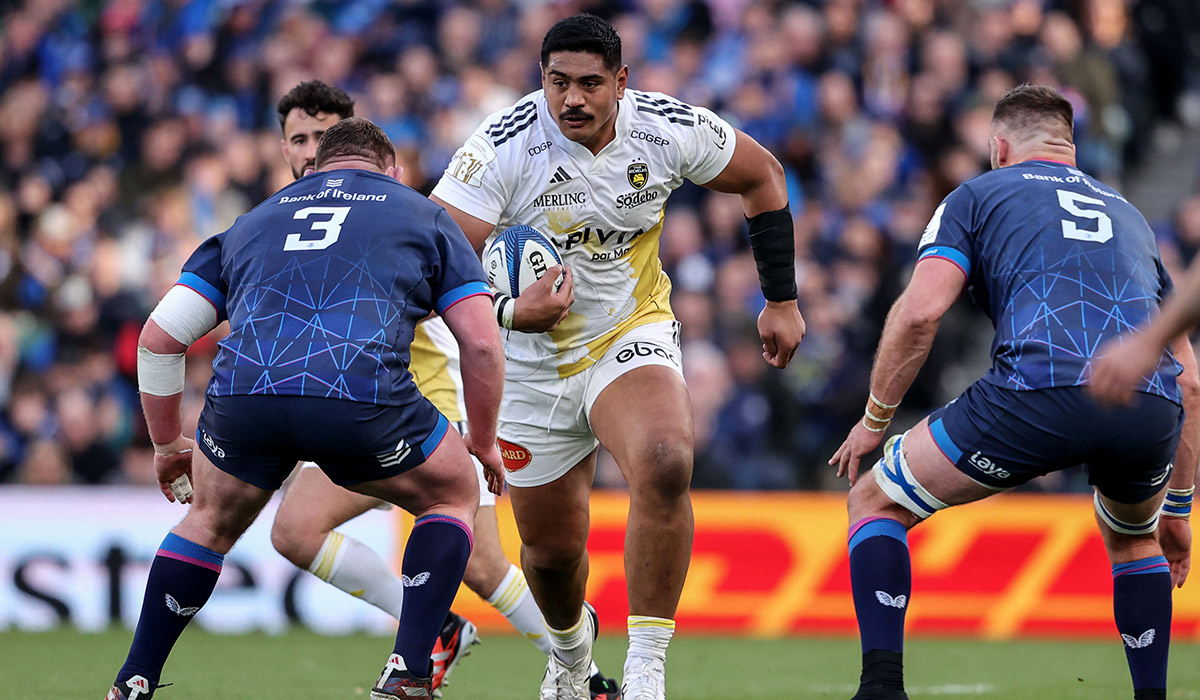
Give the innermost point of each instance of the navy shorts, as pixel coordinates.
(1002, 438)
(259, 439)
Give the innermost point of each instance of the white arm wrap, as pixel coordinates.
(159, 375)
(185, 315)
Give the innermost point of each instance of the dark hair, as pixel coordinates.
(356, 137)
(586, 33)
(314, 96)
(1027, 107)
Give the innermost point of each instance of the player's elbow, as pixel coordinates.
(1189, 387)
(917, 316)
(483, 350)
(157, 340)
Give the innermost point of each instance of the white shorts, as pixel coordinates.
(544, 428)
(486, 498)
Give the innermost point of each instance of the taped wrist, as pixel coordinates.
(773, 242)
(159, 375)
(505, 307)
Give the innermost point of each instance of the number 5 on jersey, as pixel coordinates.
(331, 226)
(1071, 201)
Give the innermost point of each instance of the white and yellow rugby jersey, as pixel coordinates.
(434, 366)
(603, 212)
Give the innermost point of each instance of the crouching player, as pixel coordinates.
(323, 284)
(1060, 263)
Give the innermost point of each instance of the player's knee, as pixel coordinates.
(290, 537)
(552, 558)
(665, 471)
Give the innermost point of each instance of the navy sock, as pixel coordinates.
(881, 580)
(1142, 608)
(435, 558)
(182, 578)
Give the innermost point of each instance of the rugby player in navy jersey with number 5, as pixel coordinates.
(322, 284)
(1060, 262)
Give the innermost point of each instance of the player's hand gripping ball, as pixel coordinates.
(517, 258)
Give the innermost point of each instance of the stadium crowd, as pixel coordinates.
(131, 130)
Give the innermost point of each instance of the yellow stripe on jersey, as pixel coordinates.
(429, 368)
(651, 293)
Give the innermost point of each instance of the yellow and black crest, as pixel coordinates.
(638, 174)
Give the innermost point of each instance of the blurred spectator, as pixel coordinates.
(130, 131)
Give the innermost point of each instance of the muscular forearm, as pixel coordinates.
(1187, 455)
(907, 338)
(483, 382)
(163, 420)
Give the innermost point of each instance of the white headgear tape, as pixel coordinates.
(184, 314)
(159, 375)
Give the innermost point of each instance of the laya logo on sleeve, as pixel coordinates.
(515, 457)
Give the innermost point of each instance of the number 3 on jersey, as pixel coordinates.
(1071, 201)
(331, 226)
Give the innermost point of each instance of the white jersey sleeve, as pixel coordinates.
(707, 147)
(475, 181)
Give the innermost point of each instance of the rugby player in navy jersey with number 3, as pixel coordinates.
(323, 284)
(1060, 263)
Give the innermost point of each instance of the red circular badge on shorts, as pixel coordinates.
(515, 457)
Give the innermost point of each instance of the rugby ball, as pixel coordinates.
(517, 258)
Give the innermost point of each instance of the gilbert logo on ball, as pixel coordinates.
(518, 257)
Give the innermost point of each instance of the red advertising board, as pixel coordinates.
(775, 564)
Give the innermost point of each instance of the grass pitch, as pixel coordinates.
(301, 665)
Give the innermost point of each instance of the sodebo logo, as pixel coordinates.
(515, 457)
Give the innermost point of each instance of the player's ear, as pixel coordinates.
(283, 149)
(1003, 151)
(622, 80)
(395, 172)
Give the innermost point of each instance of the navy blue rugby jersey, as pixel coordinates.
(1060, 263)
(323, 284)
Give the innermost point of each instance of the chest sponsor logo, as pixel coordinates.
(649, 137)
(638, 174)
(560, 199)
(540, 148)
(636, 199)
(515, 457)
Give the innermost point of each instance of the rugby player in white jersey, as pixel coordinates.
(597, 361)
(313, 506)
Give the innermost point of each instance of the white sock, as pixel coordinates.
(649, 637)
(513, 600)
(571, 645)
(356, 569)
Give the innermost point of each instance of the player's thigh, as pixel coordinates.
(553, 518)
(444, 482)
(912, 480)
(639, 409)
(223, 507)
(543, 431)
(314, 504)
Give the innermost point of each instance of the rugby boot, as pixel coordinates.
(645, 678)
(570, 682)
(600, 686)
(603, 688)
(882, 676)
(135, 688)
(453, 643)
(397, 683)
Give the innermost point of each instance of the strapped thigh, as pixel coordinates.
(897, 481)
(1125, 528)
